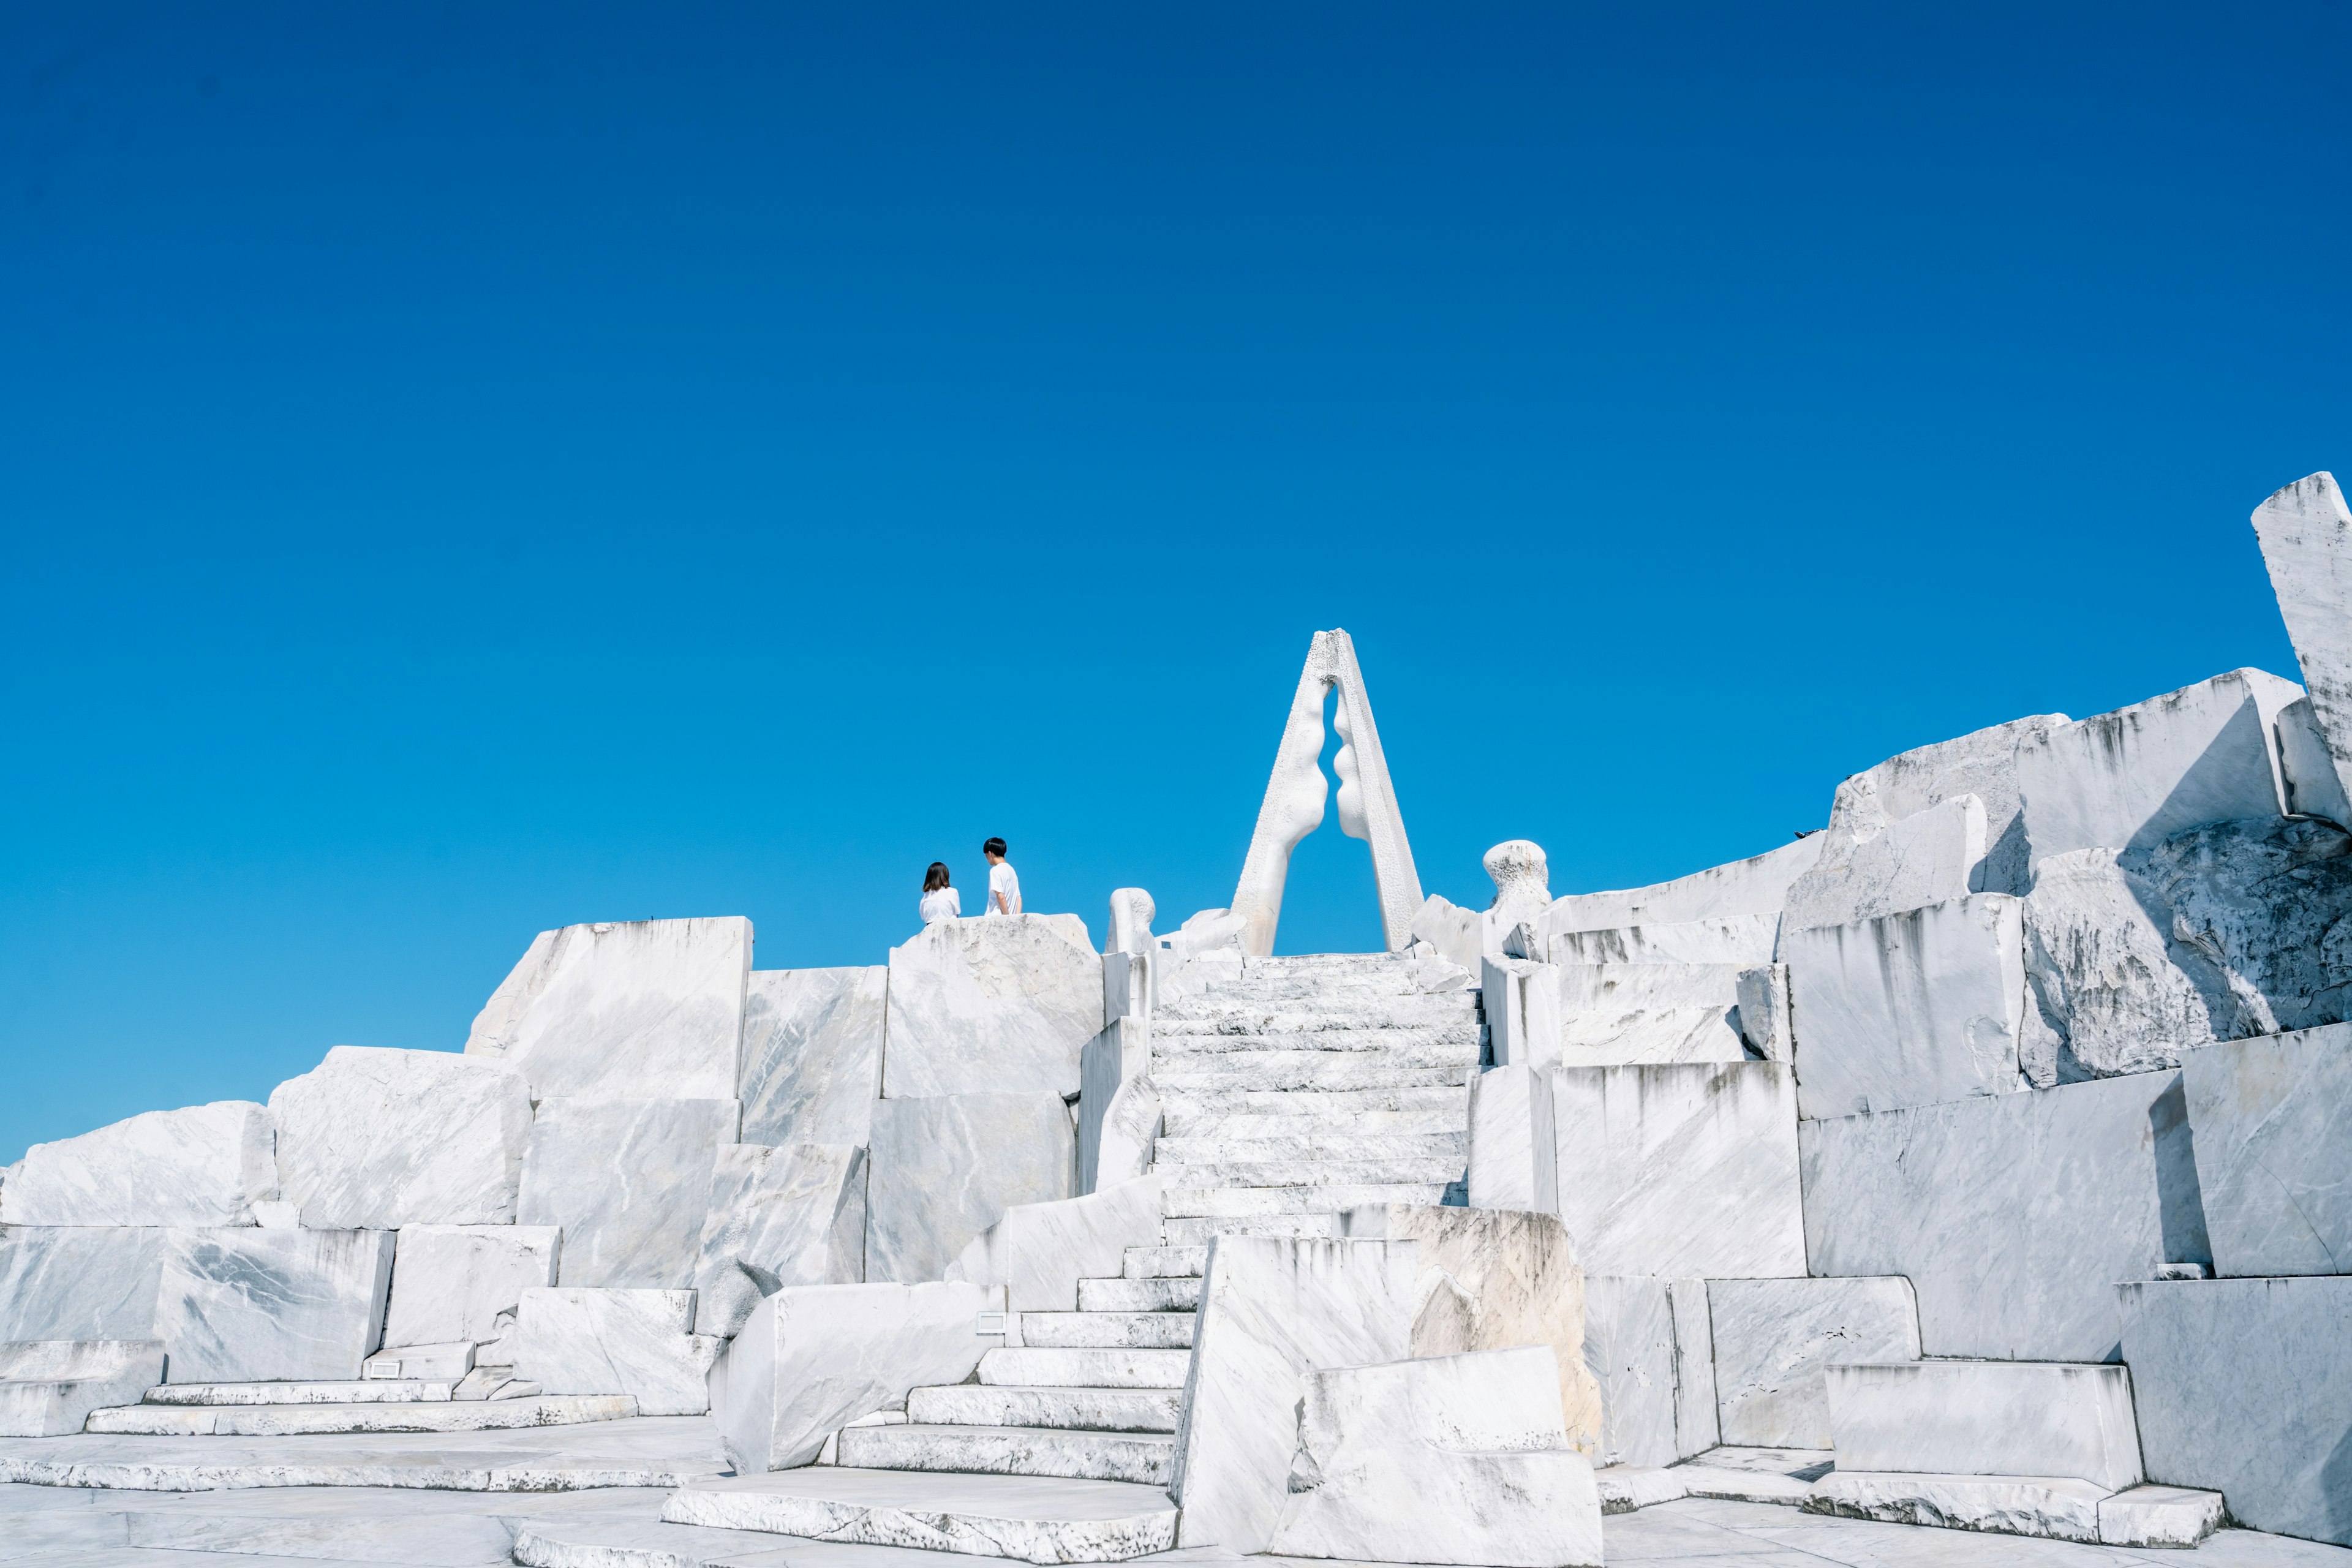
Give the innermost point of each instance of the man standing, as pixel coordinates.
(1004, 882)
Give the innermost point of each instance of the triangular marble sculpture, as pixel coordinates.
(1294, 796)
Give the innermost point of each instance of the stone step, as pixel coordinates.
(1181, 1107)
(1300, 1070)
(1022, 1366)
(1260, 1122)
(1183, 1260)
(598, 1540)
(1248, 1202)
(1033, 1518)
(1197, 1232)
(1139, 1456)
(1289, 1139)
(1208, 1015)
(1437, 1169)
(1078, 1409)
(1282, 1047)
(1176, 1045)
(1124, 1331)
(374, 1390)
(1146, 1295)
(313, 1420)
(1279, 990)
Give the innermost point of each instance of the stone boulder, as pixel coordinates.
(248, 1305)
(942, 1171)
(629, 1183)
(452, 1282)
(812, 1055)
(48, 1387)
(79, 1282)
(2274, 1142)
(1039, 1252)
(1885, 866)
(778, 1218)
(2305, 533)
(1614, 1014)
(1773, 1340)
(637, 1342)
(374, 1139)
(1651, 1351)
(991, 1005)
(204, 1165)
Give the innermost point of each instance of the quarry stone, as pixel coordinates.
(813, 1054)
(1648, 1345)
(2305, 533)
(203, 1166)
(1039, 1252)
(374, 1139)
(1614, 1014)
(455, 1283)
(943, 1170)
(79, 1282)
(1513, 1151)
(1757, 886)
(249, 1305)
(778, 1216)
(629, 1183)
(1872, 865)
(1773, 1337)
(1987, 1418)
(2273, 1118)
(991, 1005)
(637, 1342)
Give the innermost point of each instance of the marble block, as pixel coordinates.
(248, 1305)
(1272, 1309)
(2306, 767)
(2244, 1387)
(2267, 899)
(1651, 1351)
(1457, 1459)
(2136, 776)
(374, 1139)
(778, 1218)
(79, 1282)
(48, 1387)
(1884, 867)
(637, 1342)
(1982, 763)
(630, 1010)
(1514, 1153)
(1987, 1418)
(1773, 1337)
(1681, 1170)
(2305, 533)
(811, 1359)
(991, 1005)
(204, 1165)
(1908, 1009)
(1039, 1252)
(1521, 999)
(1765, 1020)
(2118, 994)
(2272, 1119)
(1115, 1059)
(1492, 1278)
(629, 1183)
(942, 1171)
(1757, 886)
(1727, 938)
(813, 1054)
(1614, 1014)
(2057, 1508)
(455, 1281)
(1458, 934)
(2013, 1216)
(2159, 1516)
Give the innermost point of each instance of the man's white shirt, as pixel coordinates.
(1002, 880)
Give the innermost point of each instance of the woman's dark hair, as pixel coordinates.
(936, 878)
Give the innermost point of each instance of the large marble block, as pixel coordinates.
(2117, 993)
(813, 1054)
(1987, 1418)
(204, 1165)
(943, 1170)
(1456, 1458)
(1727, 939)
(1884, 867)
(2244, 1387)
(778, 1216)
(2272, 1120)
(1910, 1008)
(1458, 934)
(2306, 538)
(1039, 1252)
(1613, 1014)
(637, 1342)
(1651, 1351)
(2136, 776)
(1520, 997)
(2013, 1216)
(1682, 1170)
(991, 1005)
(1773, 1337)
(1514, 1149)
(812, 1359)
(48, 1387)
(1757, 886)
(1111, 1066)
(375, 1139)
(1982, 763)
(2267, 898)
(1272, 1309)
(452, 1282)
(79, 1282)
(248, 1305)
(2308, 767)
(630, 1010)
(1492, 1278)
(629, 1183)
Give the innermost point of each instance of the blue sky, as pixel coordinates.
(469, 471)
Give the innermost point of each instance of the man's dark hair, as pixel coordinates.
(993, 846)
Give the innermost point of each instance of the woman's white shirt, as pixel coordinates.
(946, 904)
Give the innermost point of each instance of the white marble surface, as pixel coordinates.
(1614, 1014)
(244, 1304)
(989, 1004)
(1756, 886)
(1039, 1252)
(2121, 995)
(1982, 763)
(2306, 766)
(2266, 899)
(1514, 1155)
(79, 1282)
(1036, 1519)
(813, 1054)
(1908, 1009)
(1872, 865)
(2060, 1508)
(383, 1415)
(1454, 1459)
(941, 1171)
(2305, 533)
(1725, 939)
(1773, 1338)
(1648, 1347)
(202, 1166)
(1455, 933)
(778, 1216)
(1272, 1309)
(1687, 1169)
(1112, 1067)
(1765, 1021)
(48, 1387)
(2159, 1516)
(454, 1281)
(2272, 1119)
(1521, 998)
(1987, 1418)
(376, 1139)
(633, 1341)
(629, 1183)
(633, 1010)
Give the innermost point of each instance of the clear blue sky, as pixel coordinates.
(469, 470)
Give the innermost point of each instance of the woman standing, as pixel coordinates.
(940, 902)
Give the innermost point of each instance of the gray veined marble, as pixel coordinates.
(637, 1342)
(2274, 1137)
(629, 1183)
(991, 1005)
(455, 1283)
(379, 1139)
(248, 1305)
(942, 1171)
(813, 1054)
(79, 1282)
(1774, 1338)
(1649, 1346)
(203, 1166)
(779, 1217)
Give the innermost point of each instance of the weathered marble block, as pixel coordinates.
(1457, 1458)
(1117, 1059)
(1766, 1023)
(48, 1387)
(813, 1054)
(1882, 866)
(2272, 1119)
(991, 1005)
(2267, 900)
(2306, 767)
(2013, 1216)
(1458, 934)
(79, 1282)
(1520, 997)
(777, 1218)
(1757, 886)
(629, 1183)
(2244, 1387)
(1908, 1009)
(375, 1139)
(639, 1342)
(1649, 1348)
(204, 1165)
(942, 1171)
(1772, 1339)
(2306, 539)
(1039, 1252)
(634, 1010)
(1272, 1309)
(248, 1305)
(2120, 995)
(453, 1281)
(1727, 939)
(1987, 1418)
(1680, 1170)
(812, 1359)
(1615, 1014)
(1514, 1153)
